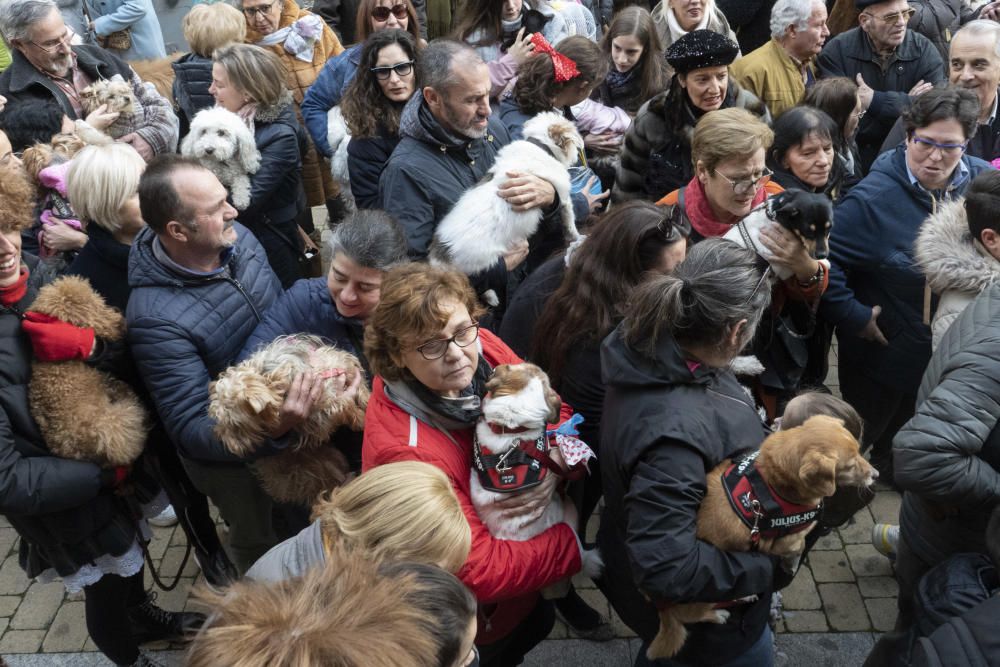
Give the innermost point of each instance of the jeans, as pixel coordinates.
(760, 654)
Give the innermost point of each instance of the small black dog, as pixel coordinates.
(807, 215)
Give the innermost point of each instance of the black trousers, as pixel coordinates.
(511, 650)
(884, 409)
(106, 604)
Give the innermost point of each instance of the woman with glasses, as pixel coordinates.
(304, 43)
(431, 362)
(372, 105)
(373, 16)
(877, 297)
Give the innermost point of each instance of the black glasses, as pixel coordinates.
(746, 185)
(263, 10)
(435, 349)
(381, 14)
(401, 70)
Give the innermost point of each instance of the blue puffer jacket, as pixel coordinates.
(192, 79)
(184, 331)
(871, 252)
(326, 93)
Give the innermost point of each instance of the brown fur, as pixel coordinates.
(159, 72)
(63, 147)
(508, 379)
(17, 198)
(116, 94)
(301, 476)
(804, 465)
(83, 413)
(843, 17)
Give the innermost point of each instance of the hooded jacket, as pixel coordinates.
(192, 79)
(871, 256)
(664, 427)
(292, 558)
(957, 267)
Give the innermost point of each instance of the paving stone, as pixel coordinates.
(39, 606)
(176, 599)
(8, 604)
(885, 507)
(829, 542)
(867, 562)
(161, 540)
(172, 561)
(583, 582)
(859, 529)
(178, 538)
(621, 630)
(828, 649)
(830, 566)
(12, 578)
(779, 626)
(596, 600)
(845, 611)
(878, 587)
(883, 613)
(559, 631)
(8, 537)
(21, 641)
(4, 523)
(801, 593)
(806, 621)
(68, 631)
(580, 652)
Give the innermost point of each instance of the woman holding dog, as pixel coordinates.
(432, 361)
(672, 412)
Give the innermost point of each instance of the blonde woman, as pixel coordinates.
(396, 512)
(676, 18)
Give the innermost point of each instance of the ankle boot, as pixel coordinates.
(150, 623)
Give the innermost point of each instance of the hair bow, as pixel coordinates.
(564, 67)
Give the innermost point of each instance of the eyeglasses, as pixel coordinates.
(401, 70)
(55, 44)
(435, 349)
(745, 185)
(893, 19)
(947, 150)
(262, 10)
(381, 14)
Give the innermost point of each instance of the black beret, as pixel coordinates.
(701, 48)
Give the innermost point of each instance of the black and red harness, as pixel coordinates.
(520, 467)
(760, 507)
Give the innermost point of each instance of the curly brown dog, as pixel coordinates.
(84, 413)
(802, 466)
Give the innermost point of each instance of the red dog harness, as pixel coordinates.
(760, 507)
(520, 467)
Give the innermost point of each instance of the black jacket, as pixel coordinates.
(663, 429)
(850, 53)
(104, 262)
(750, 19)
(192, 79)
(366, 158)
(970, 640)
(184, 331)
(276, 188)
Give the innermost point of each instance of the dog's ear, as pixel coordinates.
(554, 402)
(819, 472)
(246, 151)
(497, 379)
(257, 394)
(563, 135)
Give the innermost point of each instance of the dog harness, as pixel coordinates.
(760, 507)
(523, 465)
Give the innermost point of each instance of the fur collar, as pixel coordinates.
(272, 113)
(948, 256)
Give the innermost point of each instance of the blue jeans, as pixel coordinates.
(761, 654)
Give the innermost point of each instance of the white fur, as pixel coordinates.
(482, 226)
(338, 136)
(223, 143)
(755, 222)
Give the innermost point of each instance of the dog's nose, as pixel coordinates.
(209, 150)
(822, 253)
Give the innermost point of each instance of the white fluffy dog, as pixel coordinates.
(338, 136)
(223, 143)
(482, 226)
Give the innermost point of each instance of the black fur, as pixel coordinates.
(807, 215)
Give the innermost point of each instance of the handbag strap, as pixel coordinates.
(281, 235)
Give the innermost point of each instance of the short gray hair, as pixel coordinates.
(17, 17)
(436, 65)
(790, 12)
(371, 239)
(715, 287)
(981, 27)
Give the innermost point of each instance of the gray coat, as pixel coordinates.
(292, 558)
(947, 457)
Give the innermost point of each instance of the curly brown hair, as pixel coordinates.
(365, 106)
(17, 197)
(536, 85)
(410, 312)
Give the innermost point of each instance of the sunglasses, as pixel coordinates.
(893, 19)
(401, 70)
(381, 14)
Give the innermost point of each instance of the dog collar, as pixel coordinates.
(520, 467)
(760, 507)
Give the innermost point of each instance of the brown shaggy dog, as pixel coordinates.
(159, 72)
(246, 402)
(17, 197)
(803, 465)
(83, 413)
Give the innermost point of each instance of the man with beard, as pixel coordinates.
(973, 63)
(890, 64)
(200, 284)
(46, 64)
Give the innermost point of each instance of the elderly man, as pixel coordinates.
(779, 72)
(973, 63)
(890, 64)
(47, 65)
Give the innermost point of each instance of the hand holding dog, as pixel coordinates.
(522, 49)
(100, 118)
(526, 191)
(515, 255)
(530, 505)
(594, 201)
(787, 251)
(61, 237)
(871, 331)
(302, 395)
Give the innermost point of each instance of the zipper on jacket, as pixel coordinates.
(238, 286)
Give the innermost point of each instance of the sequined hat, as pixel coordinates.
(701, 48)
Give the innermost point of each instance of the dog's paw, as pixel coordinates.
(720, 616)
(491, 298)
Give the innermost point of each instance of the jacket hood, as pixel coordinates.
(949, 256)
(626, 367)
(270, 114)
(292, 558)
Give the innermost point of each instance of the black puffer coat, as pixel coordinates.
(664, 427)
(970, 640)
(192, 79)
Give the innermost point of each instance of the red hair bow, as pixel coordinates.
(565, 68)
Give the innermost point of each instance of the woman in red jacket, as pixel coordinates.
(432, 362)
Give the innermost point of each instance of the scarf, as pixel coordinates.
(463, 410)
(620, 83)
(508, 32)
(247, 113)
(299, 38)
(699, 211)
(676, 31)
(14, 292)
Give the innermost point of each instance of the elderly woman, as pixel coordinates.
(248, 81)
(432, 361)
(803, 155)
(656, 155)
(838, 98)
(374, 16)
(673, 411)
(877, 297)
(304, 43)
(206, 28)
(676, 18)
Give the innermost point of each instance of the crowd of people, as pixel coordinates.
(677, 347)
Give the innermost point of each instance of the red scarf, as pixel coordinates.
(14, 292)
(699, 211)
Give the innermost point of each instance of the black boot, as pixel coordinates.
(150, 623)
(583, 620)
(217, 569)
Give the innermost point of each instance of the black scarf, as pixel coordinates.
(465, 409)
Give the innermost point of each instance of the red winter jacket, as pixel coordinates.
(505, 576)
